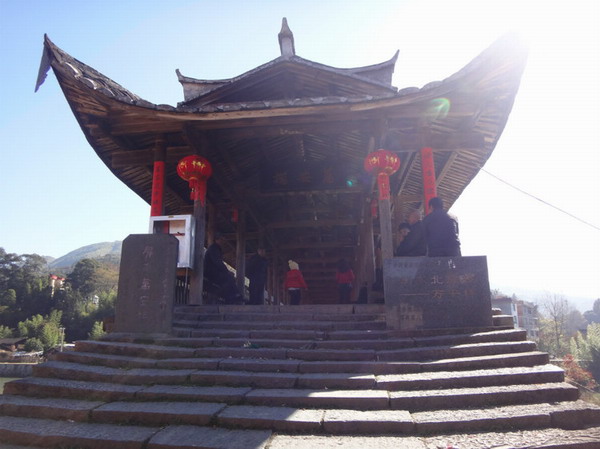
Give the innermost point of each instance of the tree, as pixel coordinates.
(5, 332)
(45, 330)
(593, 316)
(586, 349)
(554, 336)
(83, 278)
(97, 331)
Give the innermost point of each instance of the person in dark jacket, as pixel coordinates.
(216, 272)
(413, 244)
(256, 271)
(441, 231)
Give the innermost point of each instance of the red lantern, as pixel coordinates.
(196, 170)
(383, 163)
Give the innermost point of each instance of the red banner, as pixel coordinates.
(158, 187)
(428, 168)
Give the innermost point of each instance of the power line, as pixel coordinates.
(540, 200)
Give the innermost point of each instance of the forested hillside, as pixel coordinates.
(30, 306)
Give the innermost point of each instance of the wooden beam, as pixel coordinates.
(312, 223)
(123, 159)
(317, 245)
(341, 190)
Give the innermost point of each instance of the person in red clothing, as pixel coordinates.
(344, 278)
(294, 281)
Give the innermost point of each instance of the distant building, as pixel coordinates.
(56, 283)
(524, 313)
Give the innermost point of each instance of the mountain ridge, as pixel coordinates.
(93, 251)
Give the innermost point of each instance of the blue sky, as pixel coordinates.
(56, 195)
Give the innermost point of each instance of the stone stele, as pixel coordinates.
(147, 284)
(437, 292)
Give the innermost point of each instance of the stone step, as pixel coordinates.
(475, 378)
(134, 349)
(134, 376)
(476, 337)
(283, 380)
(413, 400)
(47, 408)
(252, 334)
(50, 433)
(457, 398)
(110, 360)
(564, 415)
(258, 316)
(491, 361)
(157, 413)
(73, 389)
(464, 350)
(102, 391)
(291, 325)
(315, 398)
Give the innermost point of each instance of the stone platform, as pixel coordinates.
(298, 377)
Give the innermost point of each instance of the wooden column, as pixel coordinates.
(385, 227)
(197, 278)
(211, 222)
(240, 252)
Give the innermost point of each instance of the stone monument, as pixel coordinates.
(147, 284)
(437, 292)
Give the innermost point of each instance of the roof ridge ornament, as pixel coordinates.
(286, 40)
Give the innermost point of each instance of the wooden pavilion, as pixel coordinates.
(287, 141)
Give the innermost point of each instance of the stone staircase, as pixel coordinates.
(298, 377)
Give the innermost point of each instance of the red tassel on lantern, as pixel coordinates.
(196, 170)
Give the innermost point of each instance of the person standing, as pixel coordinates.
(413, 244)
(294, 281)
(217, 273)
(344, 278)
(256, 270)
(441, 231)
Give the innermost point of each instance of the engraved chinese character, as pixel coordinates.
(145, 284)
(435, 280)
(437, 294)
(147, 253)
